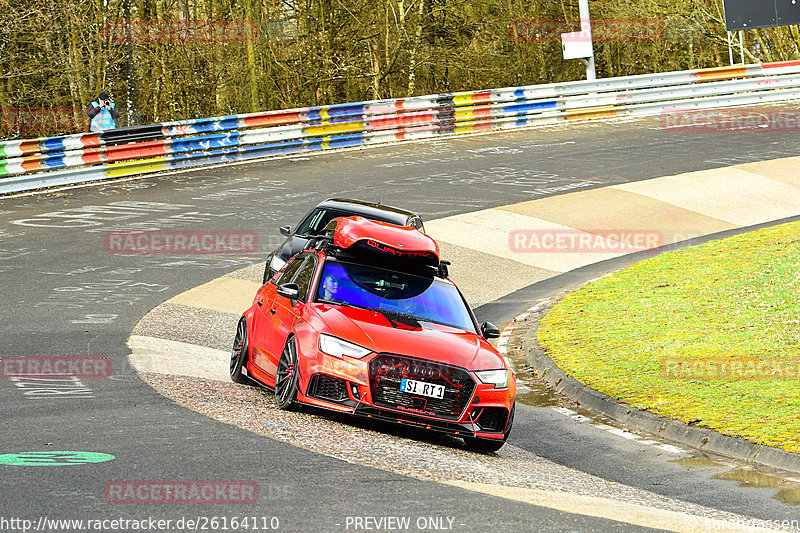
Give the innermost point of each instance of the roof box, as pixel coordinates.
(381, 242)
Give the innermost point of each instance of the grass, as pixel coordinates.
(725, 301)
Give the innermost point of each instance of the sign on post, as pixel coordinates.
(748, 15)
(576, 45)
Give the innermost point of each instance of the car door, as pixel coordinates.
(265, 323)
(283, 312)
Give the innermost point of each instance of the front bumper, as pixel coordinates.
(350, 386)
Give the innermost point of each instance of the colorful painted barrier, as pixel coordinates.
(64, 160)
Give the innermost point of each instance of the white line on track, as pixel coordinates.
(619, 432)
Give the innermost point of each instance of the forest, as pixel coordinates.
(165, 60)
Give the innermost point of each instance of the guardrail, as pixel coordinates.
(64, 160)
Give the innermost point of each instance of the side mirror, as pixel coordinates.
(489, 330)
(443, 271)
(286, 231)
(291, 291)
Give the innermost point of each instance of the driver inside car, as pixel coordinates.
(330, 286)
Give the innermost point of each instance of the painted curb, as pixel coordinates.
(646, 421)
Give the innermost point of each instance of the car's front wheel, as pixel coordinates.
(239, 354)
(287, 376)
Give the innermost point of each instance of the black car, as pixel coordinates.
(314, 222)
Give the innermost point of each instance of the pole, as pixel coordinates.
(741, 44)
(586, 29)
(129, 51)
(730, 48)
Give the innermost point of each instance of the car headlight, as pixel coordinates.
(498, 378)
(276, 263)
(338, 347)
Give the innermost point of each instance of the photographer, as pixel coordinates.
(102, 112)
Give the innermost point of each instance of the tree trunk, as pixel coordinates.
(416, 45)
(248, 25)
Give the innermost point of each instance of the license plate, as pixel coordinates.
(421, 388)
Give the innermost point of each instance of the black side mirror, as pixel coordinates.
(291, 291)
(286, 231)
(489, 330)
(443, 272)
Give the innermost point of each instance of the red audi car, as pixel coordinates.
(366, 322)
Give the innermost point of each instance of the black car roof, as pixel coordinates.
(370, 209)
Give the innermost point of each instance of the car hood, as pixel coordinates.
(435, 342)
(292, 246)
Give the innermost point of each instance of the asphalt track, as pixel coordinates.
(65, 295)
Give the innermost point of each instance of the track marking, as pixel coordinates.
(229, 295)
(569, 413)
(593, 506)
(572, 414)
(162, 356)
(502, 345)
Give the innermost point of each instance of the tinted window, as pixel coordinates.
(290, 270)
(318, 219)
(425, 298)
(314, 223)
(305, 275)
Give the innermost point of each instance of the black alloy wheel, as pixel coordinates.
(287, 376)
(239, 354)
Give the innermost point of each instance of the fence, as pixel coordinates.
(64, 160)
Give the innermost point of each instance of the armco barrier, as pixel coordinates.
(57, 161)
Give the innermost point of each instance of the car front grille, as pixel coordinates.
(387, 370)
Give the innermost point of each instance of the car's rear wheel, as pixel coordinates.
(239, 354)
(287, 376)
(490, 445)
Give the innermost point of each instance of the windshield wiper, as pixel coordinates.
(397, 317)
(394, 317)
(345, 304)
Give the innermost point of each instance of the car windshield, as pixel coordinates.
(400, 297)
(316, 221)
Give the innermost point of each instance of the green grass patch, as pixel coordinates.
(709, 335)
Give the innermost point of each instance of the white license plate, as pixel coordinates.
(421, 388)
